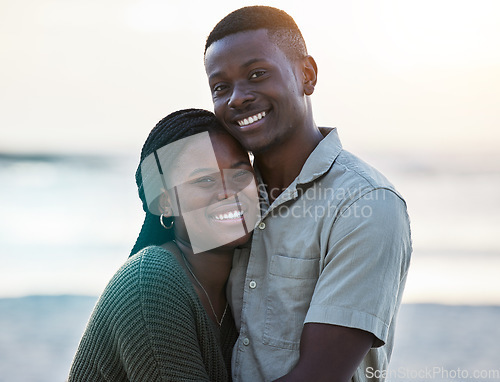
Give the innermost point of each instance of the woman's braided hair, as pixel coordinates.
(175, 126)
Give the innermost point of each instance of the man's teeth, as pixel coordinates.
(252, 119)
(229, 215)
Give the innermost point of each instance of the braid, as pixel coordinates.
(152, 233)
(175, 126)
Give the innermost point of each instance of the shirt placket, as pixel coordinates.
(254, 278)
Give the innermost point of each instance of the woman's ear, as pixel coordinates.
(164, 204)
(310, 70)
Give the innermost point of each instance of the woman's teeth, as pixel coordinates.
(229, 215)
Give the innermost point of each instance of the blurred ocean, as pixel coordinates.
(68, 222)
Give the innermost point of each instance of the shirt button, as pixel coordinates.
(262, 225)
(253, 284)
(246, 341)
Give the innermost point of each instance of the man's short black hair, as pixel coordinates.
(281, 28)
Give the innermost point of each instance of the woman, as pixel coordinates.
(164, 314)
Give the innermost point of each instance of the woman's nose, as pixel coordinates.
(226, 190)
(221, 195)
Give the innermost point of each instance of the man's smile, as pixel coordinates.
(249, 120)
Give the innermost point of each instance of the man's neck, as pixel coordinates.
(281, 165)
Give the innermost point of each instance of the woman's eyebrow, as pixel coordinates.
(212, 170)
(203, 170)
(240, 163)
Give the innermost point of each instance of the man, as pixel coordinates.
(317, 294)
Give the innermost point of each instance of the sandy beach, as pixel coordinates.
(39, 336)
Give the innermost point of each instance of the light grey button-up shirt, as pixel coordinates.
(333, 248)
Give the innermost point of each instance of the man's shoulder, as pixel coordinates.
(357, 177)
(341, 168)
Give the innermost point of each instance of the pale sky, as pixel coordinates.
(395, 76)
(96, 76)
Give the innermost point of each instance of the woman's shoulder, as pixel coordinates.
(156, 264)
(153, 269)
(143, 306)
(163, 289)
(154, 254)
(150, 280)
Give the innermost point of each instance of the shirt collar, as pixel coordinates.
(317, 164)
(322, 157)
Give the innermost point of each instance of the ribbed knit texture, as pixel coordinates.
(149, 325)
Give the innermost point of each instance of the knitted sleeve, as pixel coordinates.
(145, 326)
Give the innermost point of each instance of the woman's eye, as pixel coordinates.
(204, 181)
(242, 176)
(241, 173)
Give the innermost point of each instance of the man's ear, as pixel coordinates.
(165, 205)
(310, 70)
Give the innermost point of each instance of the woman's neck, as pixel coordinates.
(208, 272)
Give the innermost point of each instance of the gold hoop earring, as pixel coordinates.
(163, 224)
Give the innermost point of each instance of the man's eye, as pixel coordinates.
(218, 88)
(257, 74)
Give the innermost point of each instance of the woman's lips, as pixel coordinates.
(231, 215)
(228, 212)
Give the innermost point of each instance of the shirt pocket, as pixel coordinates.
(291, 285)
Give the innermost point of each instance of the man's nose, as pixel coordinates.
(240, 96)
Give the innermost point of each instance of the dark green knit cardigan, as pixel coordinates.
(149, 325)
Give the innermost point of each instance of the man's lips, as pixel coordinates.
(251, 119)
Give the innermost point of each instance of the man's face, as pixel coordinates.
(257, 91)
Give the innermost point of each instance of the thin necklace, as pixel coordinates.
(206, 294)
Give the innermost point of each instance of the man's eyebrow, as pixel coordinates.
(252, 61)
(245, 65)
(214, 75)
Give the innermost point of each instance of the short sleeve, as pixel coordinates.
(364, 269)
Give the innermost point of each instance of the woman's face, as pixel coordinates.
(213, 193)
